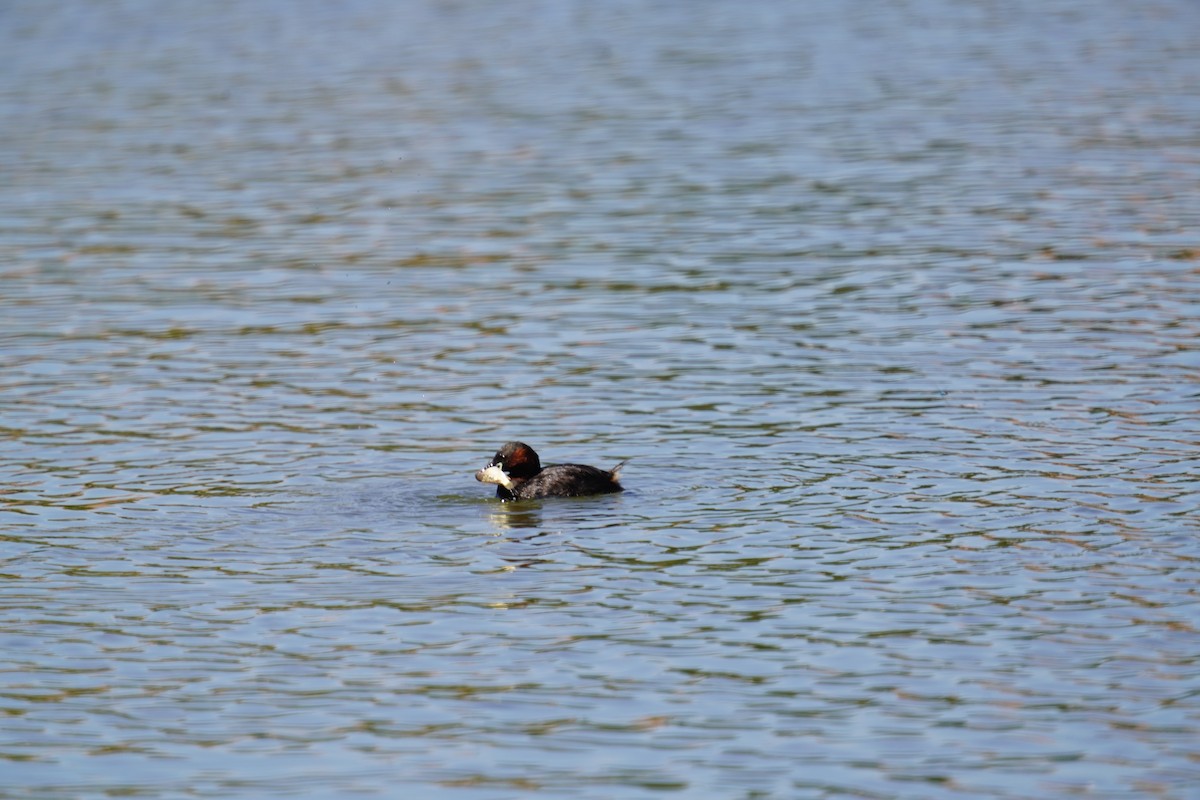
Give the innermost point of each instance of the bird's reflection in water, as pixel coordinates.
(530, 523)
(514, 516)
(521, 524)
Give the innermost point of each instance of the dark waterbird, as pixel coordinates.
(519, 475)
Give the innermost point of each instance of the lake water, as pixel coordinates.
(894, 307)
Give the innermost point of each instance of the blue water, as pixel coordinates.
(893, 308)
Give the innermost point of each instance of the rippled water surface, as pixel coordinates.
(894, 307)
